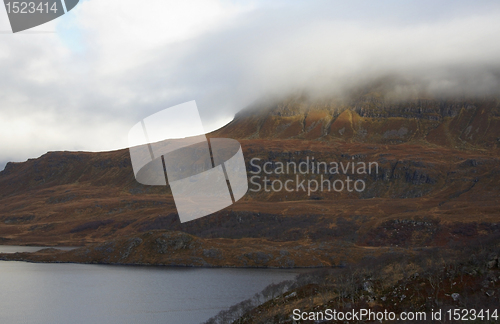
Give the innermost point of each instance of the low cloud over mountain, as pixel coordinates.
(110, 64)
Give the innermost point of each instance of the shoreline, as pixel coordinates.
(170, 248)
(169, 265)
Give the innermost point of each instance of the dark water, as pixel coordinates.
(19, 248)
(80, 293)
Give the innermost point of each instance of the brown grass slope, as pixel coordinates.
(438, 180)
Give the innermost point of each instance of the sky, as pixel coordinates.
(80, 82)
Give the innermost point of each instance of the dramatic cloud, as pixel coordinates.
(108, 64)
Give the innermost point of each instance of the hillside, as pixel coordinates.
(438, 181)
(465, 276)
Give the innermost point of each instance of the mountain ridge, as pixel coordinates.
(438, 176)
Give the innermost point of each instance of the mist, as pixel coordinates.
(101, 70)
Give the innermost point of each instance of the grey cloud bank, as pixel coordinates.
(53, 97)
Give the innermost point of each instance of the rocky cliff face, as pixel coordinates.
(464, 124)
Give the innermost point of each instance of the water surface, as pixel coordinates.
(21, 248)
(81, 293)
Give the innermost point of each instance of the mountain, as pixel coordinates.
(463, 124)
(437, 181)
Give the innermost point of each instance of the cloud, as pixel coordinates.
(112, 63)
